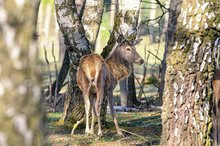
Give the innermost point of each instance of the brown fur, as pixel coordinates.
(216, 104)
(100, 76)
(216, 90)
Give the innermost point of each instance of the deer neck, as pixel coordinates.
(120, 69)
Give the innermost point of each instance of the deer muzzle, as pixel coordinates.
(140, 61)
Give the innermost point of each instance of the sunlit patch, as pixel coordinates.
(3, 16)
(2, 90)
(20, 2)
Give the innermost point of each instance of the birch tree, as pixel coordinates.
(78, 44)
(125, 22)
(169, 26)
(153, 7)
(187, 101)
(21, 116)
(89, 13)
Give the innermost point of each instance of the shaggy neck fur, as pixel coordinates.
(119, 67)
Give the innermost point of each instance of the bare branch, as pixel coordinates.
(49, 73)
(154, 55)
(133, 133)
(56, 72)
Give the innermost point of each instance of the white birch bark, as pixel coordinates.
(187, 101)
(21, 116)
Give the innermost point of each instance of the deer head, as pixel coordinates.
(127, 50)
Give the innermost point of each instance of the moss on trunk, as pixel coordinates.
(187, 101)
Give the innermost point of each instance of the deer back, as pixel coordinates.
(92, 70)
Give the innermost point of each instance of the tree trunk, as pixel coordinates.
(91, 26)
(151, 26)
(92, 18)
(77, 46)
(62, 47)
(125, 22)
(124, 92)
(171, 24)
(187, 100)
(21, 115)
(132, 98)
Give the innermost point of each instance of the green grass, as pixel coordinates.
(146, 126)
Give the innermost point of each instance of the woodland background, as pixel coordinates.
(167, 101)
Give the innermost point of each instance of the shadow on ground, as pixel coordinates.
(139, 128)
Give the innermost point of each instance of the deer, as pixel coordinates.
(98, 76)
(216, 104)
(216, 93)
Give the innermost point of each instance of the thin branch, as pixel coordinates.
(154, 55)
(56, 72)
(144, 74)
(133, 133)
(142, 89)
(48, 70)
(161, 5)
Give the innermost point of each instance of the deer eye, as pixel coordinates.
(128, 49)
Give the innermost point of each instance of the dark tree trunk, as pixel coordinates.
(61, 76)
(132, 98)
(124, 92)
(21, 116)
(187, 101)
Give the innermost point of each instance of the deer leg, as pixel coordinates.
(87, 108)
(112, 111)
(93, 116)
(217, 119)
(98, 108)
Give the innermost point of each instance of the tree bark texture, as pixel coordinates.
(21, 116)
(91, 20)
(125, 22)
(171, 25)
(77, 45)
(187, 100)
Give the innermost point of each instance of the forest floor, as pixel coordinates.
(139, 127)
